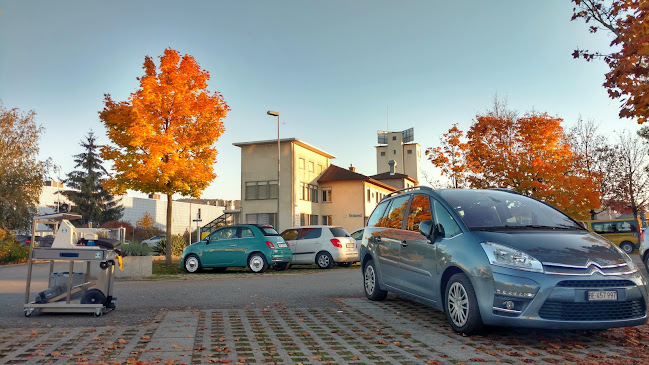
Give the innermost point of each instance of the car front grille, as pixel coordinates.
(592, 311)
(595, 283)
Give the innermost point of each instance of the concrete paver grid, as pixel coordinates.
(356, 331)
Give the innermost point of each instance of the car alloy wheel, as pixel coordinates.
(458, 304)
(627, 247)
(370, 282)
(192, 264)
(257, 263)
(461, 305)
(324, 260)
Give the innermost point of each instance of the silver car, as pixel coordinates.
(496, 257)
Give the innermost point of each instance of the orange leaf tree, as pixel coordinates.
(628, 21)
(531, 155)
(450, 156)
(163, 135)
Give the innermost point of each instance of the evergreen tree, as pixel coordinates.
(94, 203)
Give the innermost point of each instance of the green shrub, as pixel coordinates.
(12, 251)
(178, 244)
(135, 249)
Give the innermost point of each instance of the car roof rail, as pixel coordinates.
(506, 190)
(418, 187)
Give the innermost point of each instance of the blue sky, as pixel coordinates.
(331, 68)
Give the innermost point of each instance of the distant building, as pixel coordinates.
(398, 147)
(183, 213)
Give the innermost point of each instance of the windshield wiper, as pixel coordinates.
(525, 227)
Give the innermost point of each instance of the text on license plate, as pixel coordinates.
(602, 295)
(282, 245)
(350, 245)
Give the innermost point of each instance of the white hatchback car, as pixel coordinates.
(644, 249)
(324, 245)
(153, 241)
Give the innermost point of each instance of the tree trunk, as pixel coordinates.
(168, 240)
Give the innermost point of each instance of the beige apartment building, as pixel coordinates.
(311, 189)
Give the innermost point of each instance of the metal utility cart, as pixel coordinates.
(73, 244)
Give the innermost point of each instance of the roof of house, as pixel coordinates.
(386, 176)
(292, 140)
(336, 173)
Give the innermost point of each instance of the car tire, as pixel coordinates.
(461, 305)
(280, 266)
(192, 264)
(371, 283)
(645, 260)
(324, 260)
(257, 263)
(627, 247)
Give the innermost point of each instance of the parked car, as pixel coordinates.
(496, 257)
(24, 239)
(251, 245)
(322, 245)
(358, 236)
(44, 241)
(644, 250)
(153, 241)
(625, 233)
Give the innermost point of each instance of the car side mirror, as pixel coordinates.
(425, 227)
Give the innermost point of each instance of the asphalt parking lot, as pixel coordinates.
(342, 330)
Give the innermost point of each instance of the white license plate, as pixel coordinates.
(602, 295)
(350, 245)
(281, 245)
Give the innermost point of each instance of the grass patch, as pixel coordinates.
(161, 270)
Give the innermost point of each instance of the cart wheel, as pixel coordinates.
(93, 296)
(98, 313)
(28, 312)
(103, 265)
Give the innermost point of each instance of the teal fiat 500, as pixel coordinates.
(245, 245)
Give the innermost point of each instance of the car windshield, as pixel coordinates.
(493, 209)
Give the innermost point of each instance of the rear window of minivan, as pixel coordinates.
(339, 232)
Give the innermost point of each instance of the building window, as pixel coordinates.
(368, 195)
(308, 219)
(309, 192)
(326, 195)
(394, 152)
(410, 152)
(394, 138)
(261, 218)
(311, 168)
(382, 153)
(326, 220)
(300, 163)
(261, 190)
(319, 169)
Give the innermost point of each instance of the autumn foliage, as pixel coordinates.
(528, 154)
(164, 134)
(628, 21)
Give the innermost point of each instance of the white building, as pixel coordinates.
(183, 213)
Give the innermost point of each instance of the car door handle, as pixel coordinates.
(404, 244)
(233, 245)
(377, 239)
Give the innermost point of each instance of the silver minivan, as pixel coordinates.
(322, 245)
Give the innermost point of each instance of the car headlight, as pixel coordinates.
(501, 255)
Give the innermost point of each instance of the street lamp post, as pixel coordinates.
(276, 114)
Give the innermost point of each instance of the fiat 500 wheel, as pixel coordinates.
(192, 264)
(257, 263)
